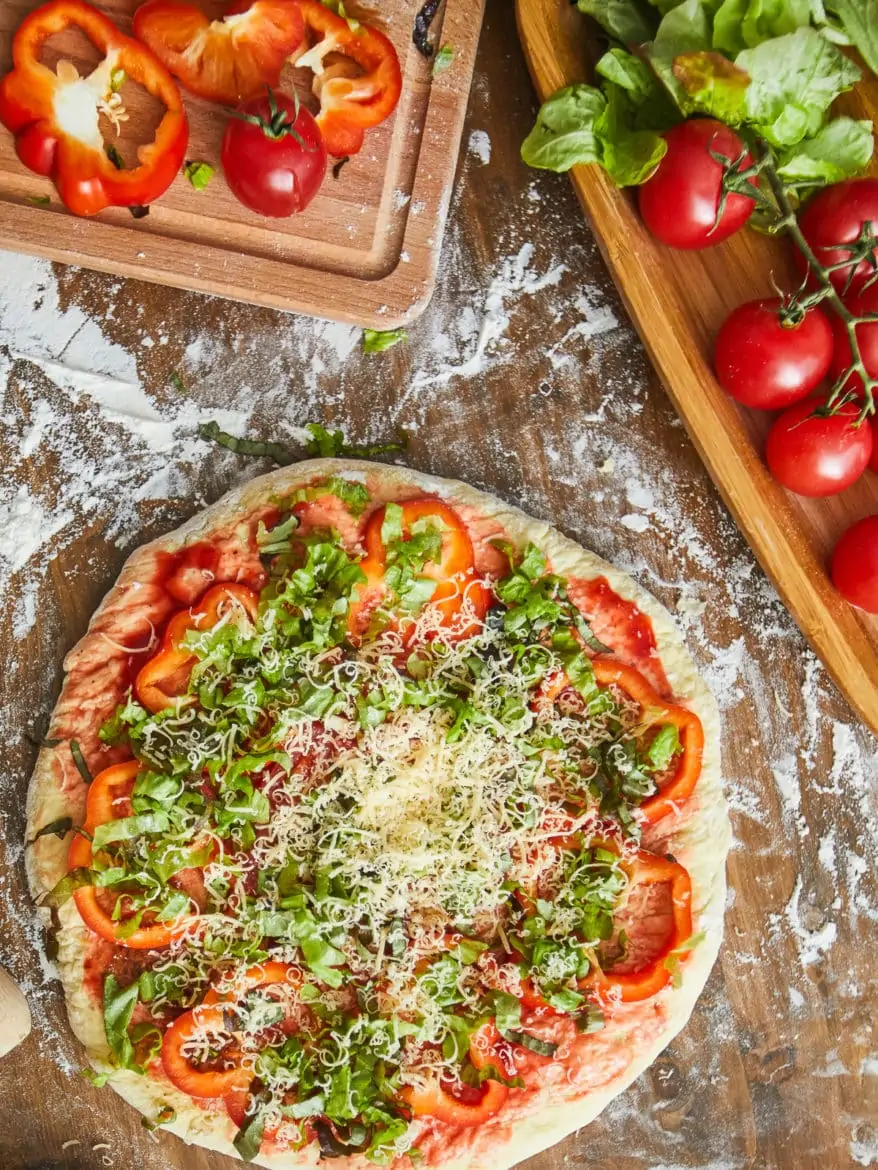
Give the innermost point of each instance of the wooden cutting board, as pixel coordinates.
(365, 251)
(678, 301)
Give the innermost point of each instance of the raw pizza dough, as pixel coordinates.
(700, 842)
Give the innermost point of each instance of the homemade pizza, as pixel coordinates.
(377, 822)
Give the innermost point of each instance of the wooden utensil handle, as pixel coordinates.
(15, 1019)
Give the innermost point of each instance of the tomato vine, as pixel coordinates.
(781, 216)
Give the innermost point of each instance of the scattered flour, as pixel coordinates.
(101, 445)
(479, 146)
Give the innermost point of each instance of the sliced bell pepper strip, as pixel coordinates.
(262, 975)
(238, 1100)
(433, 1100)
(212, 1016)
(632, 986)
(644, 868)
(609, 672)
(357, 92)
(55, 115)
(228, 60)
(197, 1082)
(110, 787)
(163, 681)
(681, 785)
(455, 572)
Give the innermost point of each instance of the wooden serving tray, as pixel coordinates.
(677, 301)
(364, 252)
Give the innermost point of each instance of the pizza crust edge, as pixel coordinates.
(702, 843)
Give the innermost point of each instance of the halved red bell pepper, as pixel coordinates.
(229, 60)
(55, 116)
(356, 92)
(164, 679)
(681, 785)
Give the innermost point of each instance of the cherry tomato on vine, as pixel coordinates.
(854, 566)
(838, 215)
(816, 454)
(873, 462)
(769, 356)
(681, 202)
(861, 304)
(273, 155)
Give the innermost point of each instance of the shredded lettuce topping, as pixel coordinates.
(386, 817)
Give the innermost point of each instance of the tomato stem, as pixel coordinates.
(789, 222)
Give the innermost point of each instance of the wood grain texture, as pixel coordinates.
(365, 251)
(773, 1070)
(678, 301)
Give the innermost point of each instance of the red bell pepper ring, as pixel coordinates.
(163, 681)
(55, 115)
(458, 583)
(357, 92)
(435, 1100)
(212, 1017)
(229, 60)
(109, 790)
(681, 785)
(648, 869)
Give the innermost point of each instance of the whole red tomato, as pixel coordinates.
(873, 462)
(680, 202)
(818, 454)
(273, 155)
(837, 216)
(769, 360)
(861, 304)
(854, 567)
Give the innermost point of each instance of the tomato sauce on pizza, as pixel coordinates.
(373, 848)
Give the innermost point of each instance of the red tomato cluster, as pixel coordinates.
(771, 354)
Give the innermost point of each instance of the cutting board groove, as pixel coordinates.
(365, 251)
(677, 302)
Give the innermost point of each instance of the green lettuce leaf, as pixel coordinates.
(713, 84)
(628, 21)
(377, 342)
(581, 125)
(841, 149)
(564, 134)
(650, 102)
(859, 18)
(743, 24)
(119, 1004)
(793, 82)
(686, 29)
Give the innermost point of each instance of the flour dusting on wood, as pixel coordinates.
(102, 393)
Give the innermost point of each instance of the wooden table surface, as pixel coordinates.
(523, 378)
